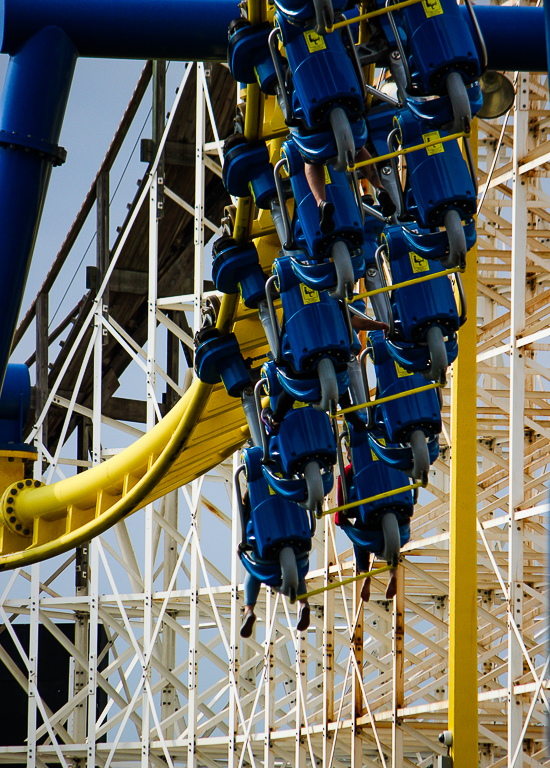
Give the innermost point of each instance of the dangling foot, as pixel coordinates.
(248, 622)
(391, 590)
(269, 421)
(365, 591)
(303, 617)
(387, 205)
(326, 222)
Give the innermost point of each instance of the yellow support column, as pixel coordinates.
(463, 709)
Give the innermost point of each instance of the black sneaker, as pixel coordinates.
(387, 205)
(326, 222)
(303, 618)
(267, 419)
(248, 624)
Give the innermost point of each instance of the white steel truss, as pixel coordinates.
(366, 685)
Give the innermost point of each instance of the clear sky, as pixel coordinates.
(99, 95)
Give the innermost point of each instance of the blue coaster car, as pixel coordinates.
(424, 318)
(441, 59)
(218, 358)
(320, 260)
(247, 170)
(276, 532)
(300, 457)
(323, 74)
(248, 54)
(381, 526)
(439, 43)
(439, 190)
(314, 345)
(302, 12)
(236, 268)
(406, 422)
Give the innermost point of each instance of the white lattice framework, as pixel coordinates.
(183, 687)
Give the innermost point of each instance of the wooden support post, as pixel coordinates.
(42, 369)
(356, 691)
(159, 121)
(398, 654)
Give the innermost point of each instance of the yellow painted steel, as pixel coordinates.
(370, 499)
(463, 707)
(404, 284)
(388, 399)
(408, 150)
(373, 14)
(342, 583)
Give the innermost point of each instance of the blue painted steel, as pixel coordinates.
(275, 522)
(347, 217)
(439, 43)
(314, 327)
(247, 171)
(323, 76)
(219, 358)
(399, 418)
(514, 37)
(32, 107)
(418, 307)
(249, 57)
(237, 267)
(15, 403)
(190, 30)
(438, 178)
(196, 30)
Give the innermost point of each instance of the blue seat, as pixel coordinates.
(248, 54)
(323, 74)
(418, 308)
(304, 435)
(439, 42)
(218, 358)
(236, 267)
(404, 431)
(300, 12)
(272, 524)
(314, 325)
(438, 179)
(248, 171)
(347, 219)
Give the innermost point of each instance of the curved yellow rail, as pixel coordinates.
(202, 430)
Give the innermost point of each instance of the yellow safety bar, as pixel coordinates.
(342, 583)
(388, 399)
(385, 495)
(408, 150)
(373, 14)
(406, 283)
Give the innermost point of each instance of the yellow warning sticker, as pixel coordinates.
(298, 404)
(418, 264)
(402, 371)
(309, 296)
(316, 42)
(328, 180)
(432, 8)
(374, 456)
(430, 137)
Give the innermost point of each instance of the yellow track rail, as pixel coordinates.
(202, 430)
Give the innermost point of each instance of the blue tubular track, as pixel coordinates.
(44, 39)
(32, 108)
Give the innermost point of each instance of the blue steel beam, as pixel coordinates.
(514, 37)
(32, 108)
(190, 30)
